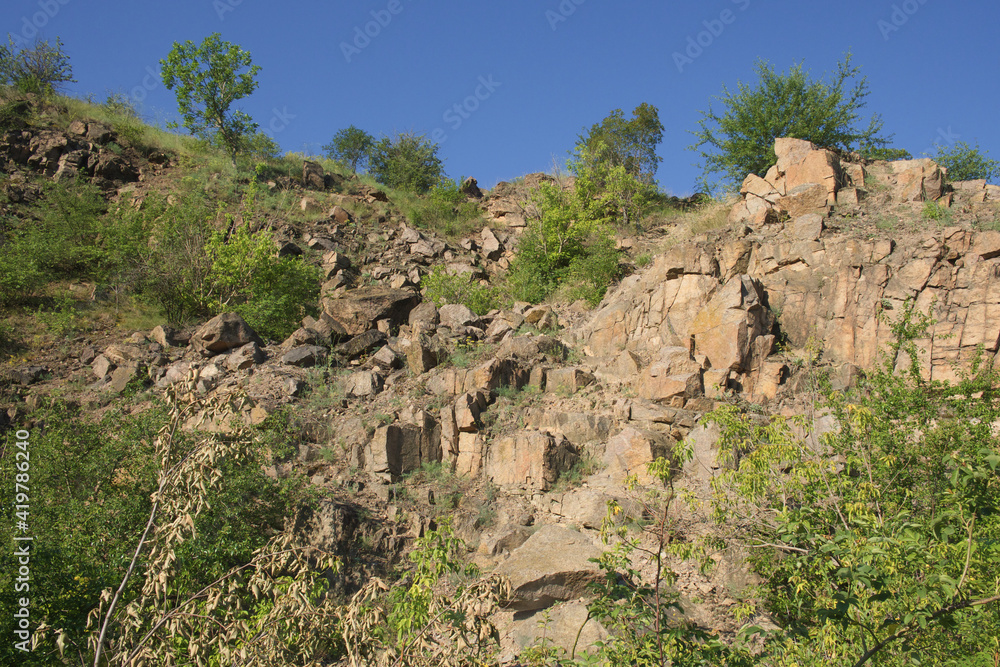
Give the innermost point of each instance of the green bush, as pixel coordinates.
(563, 248)
(445, 209)
(442, 288)
(350, 146)
(41, 68)
(882, 537)
(272, 294)
(740, 141)
(966, 163)
(406, 162)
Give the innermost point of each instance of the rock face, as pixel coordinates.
(811, 180)
(529, 459)
(552, 565)
(725, 302)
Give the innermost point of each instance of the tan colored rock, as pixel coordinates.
(553, 564)
(567, 380)
(223, 333)
(470, 454)
(628, 453)
(529, 459)
(805, 198)
(725, 328)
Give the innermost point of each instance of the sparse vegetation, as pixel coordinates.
(966, 163)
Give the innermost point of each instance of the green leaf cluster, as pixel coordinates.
(350, 146)
(563, 247)
(739, 140)
(41, 68)
(966, 163)
(879, 540)
(406, 161)
(209, 78)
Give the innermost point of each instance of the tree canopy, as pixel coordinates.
(208, 79)
(740, 140)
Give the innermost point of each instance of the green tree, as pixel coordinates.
(406, 161)
(351, 146)
(40, 68)
(966, 163)
(615, 164)
(563, 247)
(630, 143)
(208, 79)
(740, 140)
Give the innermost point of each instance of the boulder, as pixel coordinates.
(359, 310)
(567, 380)
(552, 565)
(628, 453)
(245, 357)
(456, 316)
(223, 333)
(363, 384)
(725, 328)
(305, 356)
(567, 626)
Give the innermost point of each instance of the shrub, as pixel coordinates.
(406, 162)
(40, 68)
(879, 539)
(350, 146)
(445, 209)
(442, 288)
(740, 141)
(272, 294)
(562, 247)
(966, 163)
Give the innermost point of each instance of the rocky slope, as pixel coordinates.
(536, 415)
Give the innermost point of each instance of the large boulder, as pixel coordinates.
(223, 333)
(553, 564)
(729, 323)
(529, 459)
(359, 310)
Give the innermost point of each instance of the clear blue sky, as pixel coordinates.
(552, 67)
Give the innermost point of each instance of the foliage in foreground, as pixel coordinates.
(740, 139)
(878, 542)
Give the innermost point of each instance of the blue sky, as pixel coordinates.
(528, 76)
